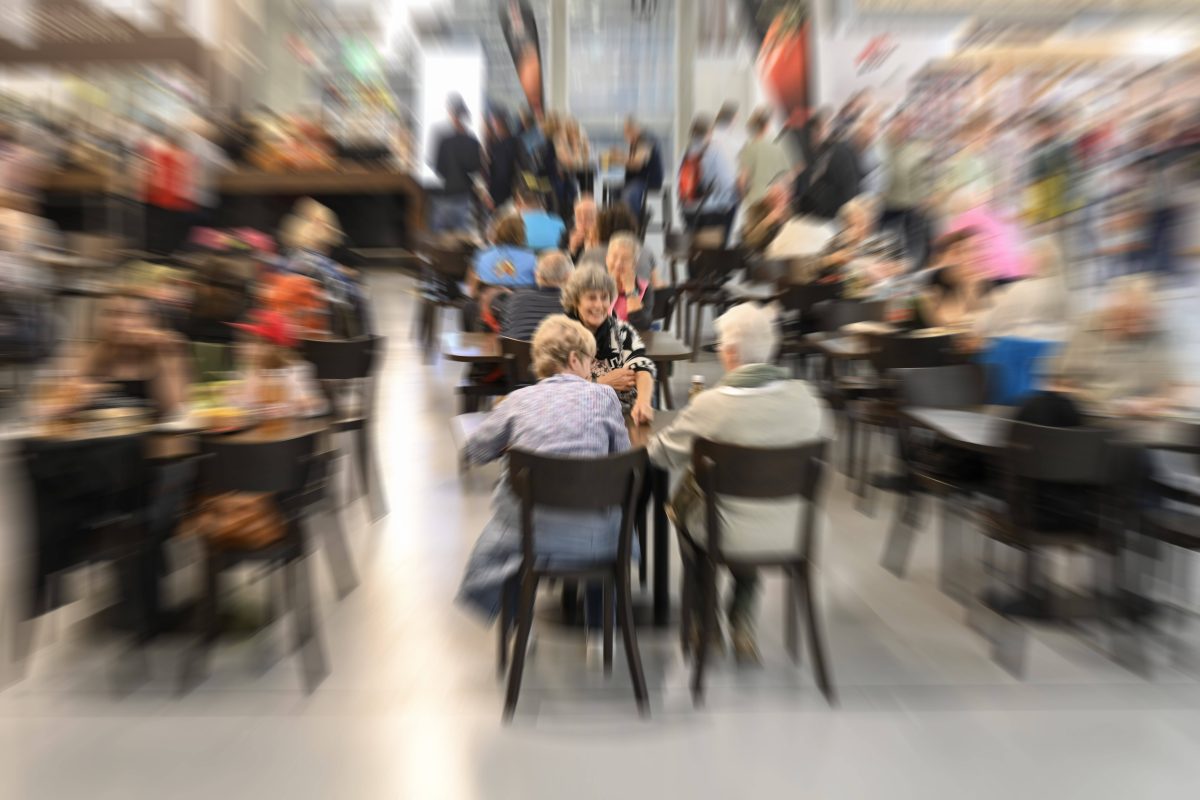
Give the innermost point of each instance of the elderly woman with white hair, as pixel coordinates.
(635, 296)
(564, 414)
(756, 404)
(1118, 359)
(621, 360)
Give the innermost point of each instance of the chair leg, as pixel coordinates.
(851, 449)
(312, 654)
(791, 622)
(337, 551)
(504, 632)
(368, 472)
(195, 662)
(864, 464)
(898, 549)
(643, 538)
(629, 636)
(529, 584)
(951, 551)
(686, 599)
(816, 640)
(608, 625)
(696, 331)
(707, 586)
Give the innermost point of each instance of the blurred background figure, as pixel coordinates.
(457, 159)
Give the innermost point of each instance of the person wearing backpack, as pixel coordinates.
(708, 190)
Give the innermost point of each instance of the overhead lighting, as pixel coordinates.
(1160, 45)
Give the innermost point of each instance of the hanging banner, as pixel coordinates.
(781, 30)
(521, 33)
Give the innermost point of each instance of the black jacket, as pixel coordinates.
(828, 182)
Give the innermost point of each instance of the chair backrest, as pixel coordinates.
(518, 354)
(712, 267)
(664, 306)
(756, 473)
(451, 263)
(229, 465)
(958, 386)
(901, 351)
(577, 484)
(343, 360)
(1074, 456)
(836, 314)
(804, 296)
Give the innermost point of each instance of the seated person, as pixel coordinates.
(859, 256)
(766, 217)
(272, 372)
(585, 234)
(564, 414)
(133, 359)
(1035, 307)
(635, 295)
(996, 243)
(613, 220)
(621, 360)
(525, 309)
(955, 294)
(508, 264)
(1117, 360)
(756, 404)
(543, 230)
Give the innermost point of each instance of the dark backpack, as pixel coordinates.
(691, 178)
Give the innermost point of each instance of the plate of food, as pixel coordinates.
(222, 419)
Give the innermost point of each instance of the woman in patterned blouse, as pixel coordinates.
(621, 360)
(564, 414)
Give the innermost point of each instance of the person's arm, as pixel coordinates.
(641, 309)
(171, 381)
(671, 449)
(491, 439)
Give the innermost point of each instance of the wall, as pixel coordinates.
(838, 76)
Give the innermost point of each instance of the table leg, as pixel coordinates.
(664, 377)
(662, 565)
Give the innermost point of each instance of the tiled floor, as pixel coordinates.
(412, 706)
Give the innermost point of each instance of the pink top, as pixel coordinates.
(999, 244)
(619, 305)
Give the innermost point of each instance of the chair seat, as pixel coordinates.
(996, 524)
(1178, 528)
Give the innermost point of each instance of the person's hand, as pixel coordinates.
(622, 379)
(633, 303)
(642, 413)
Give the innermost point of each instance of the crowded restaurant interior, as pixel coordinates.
(374, 374)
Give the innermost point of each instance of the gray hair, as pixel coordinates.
(553, 268)
(626, 239)
(750, 331)
(555, 339)
(588, 278)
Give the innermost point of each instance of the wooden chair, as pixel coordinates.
(518, 359)
(1087, 461)
(283, 468)
(708, 272)
(724, 470)
(582, 485)
(353, 365)
(446, 268)
(962, 386)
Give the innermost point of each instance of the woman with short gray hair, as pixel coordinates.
(563, 414)
(621, 360)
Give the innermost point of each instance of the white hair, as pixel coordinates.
(750, 331)
(626, 239)
(555, 339)
(553, 268)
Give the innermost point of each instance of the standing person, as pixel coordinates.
(168, 192)
(865, 140)
(457, 158)
(761, 161)
(906, 189)
(708, 192)
(208, 162)
(575, 155)
(830, 178)
(643, 167)
(543, 230)
(726, 138)
(501, 159)
(1051, 172)
(1161, 165)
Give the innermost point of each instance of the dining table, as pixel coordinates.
(484, 348)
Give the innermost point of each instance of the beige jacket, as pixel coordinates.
(779, 414)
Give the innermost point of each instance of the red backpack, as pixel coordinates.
(691, 178)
